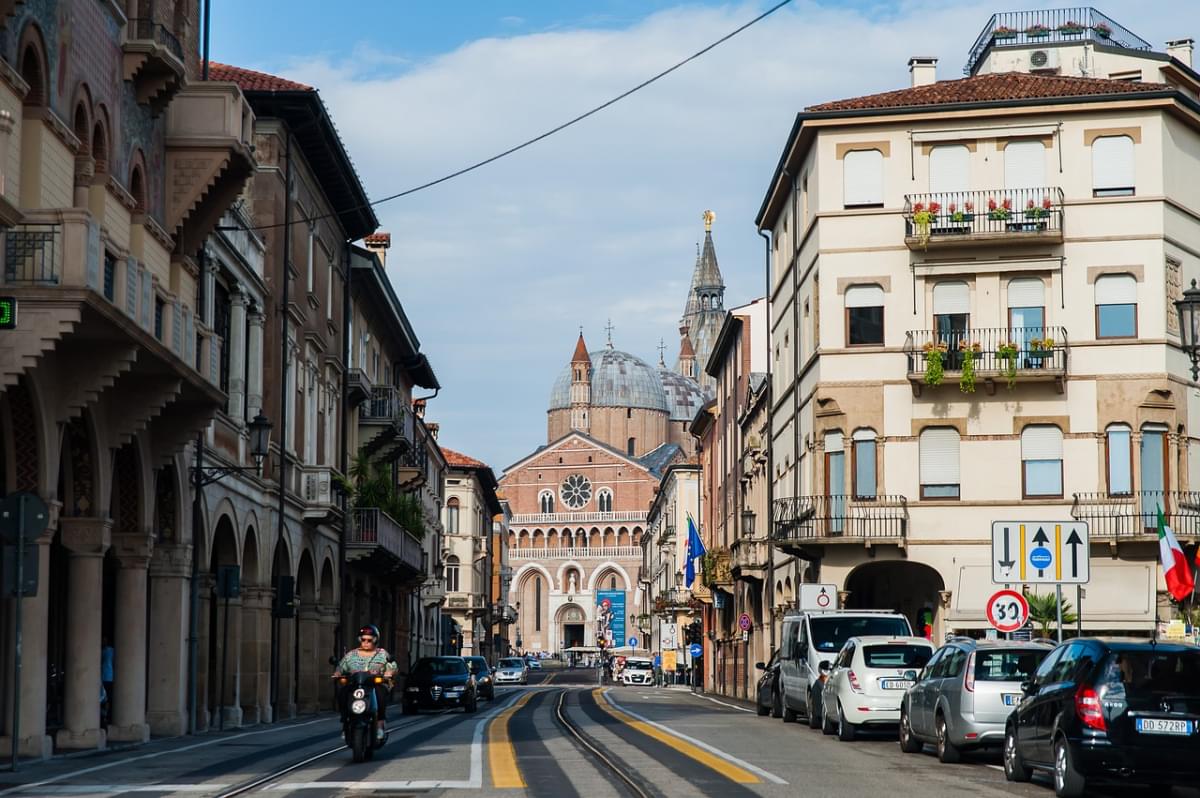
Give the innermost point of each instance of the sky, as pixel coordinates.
(500, 268)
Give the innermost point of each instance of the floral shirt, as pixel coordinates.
(356, 661)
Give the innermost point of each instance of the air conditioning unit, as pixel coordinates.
(1043, 60)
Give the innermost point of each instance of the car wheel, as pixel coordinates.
(909, 743)
(408, 709)
(1014, 764)
(762, 709)
(845, 729)
(947, 751)
(789, 714)
(1068, 782)
(814, 709)
(827, 724)
(776, 706)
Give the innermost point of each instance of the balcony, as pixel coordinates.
(1134, 516)
(802, 521)
(577, 553)
(1051, 26)
(675, 601)
(465, 601)
(382, 544)
(977, 218)
(751, 556)
(386, 423)
(996, 356)
(317, 488)
(717, 567)
(358, 386)
(33, 254)
(545, 519)
(413, 467)
(153, 62)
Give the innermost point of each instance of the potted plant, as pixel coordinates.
(1041, 348)
(1034, 211)
(1007, 353)
(1103, 30)
(1004, 33)
(1037, 31)
(935, 359)
(966, 380)
(999, 212)
(1071, 28)
(924, 217)
(966, 215)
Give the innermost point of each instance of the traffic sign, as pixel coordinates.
(8, 313)
(695, 650)
(744, 622)
(818, 597)
(1040, 552)
(633, 642)
(1007, 610)
(37, 517)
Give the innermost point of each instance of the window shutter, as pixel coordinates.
(1026, 292)
(1112, 162)
(131, 287)
(1025, 164)
(864, 435)
(833, 442)
(94, 254)
(176, 327)
(951, 298)
(1041, 442)
(147, 298)
(862, 173)
(864, 296)
(1116, 289)
(949, 169)
(939, 456)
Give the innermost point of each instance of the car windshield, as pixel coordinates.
(512, 663)
(441, 666)
(479, 664)
(897, 655)
(831, 633)
(1153, 673)
(638, 666)
(1007, 666)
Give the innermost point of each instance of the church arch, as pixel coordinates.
(608, 566)
(561, 581)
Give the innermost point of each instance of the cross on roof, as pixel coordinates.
(609, 328)
(662, 347)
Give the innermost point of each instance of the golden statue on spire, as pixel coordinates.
(709, 218)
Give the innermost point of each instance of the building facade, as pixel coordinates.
(469, 562)
(669, 604)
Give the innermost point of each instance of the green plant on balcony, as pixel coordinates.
(1040, 348)
(964, 216)
(999, 211)
(966, 380)
(371, 485)
(1007, 353)
(1071, 28)
(935, 362)
(924, 217)
(1036, 212)
(1003, 33)
(1103, 30)
(1037, 31)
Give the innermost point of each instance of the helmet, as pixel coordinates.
(369, 629)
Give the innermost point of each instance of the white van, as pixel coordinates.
(811, 641)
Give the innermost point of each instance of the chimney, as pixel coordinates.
(923, 69)
(379, 243)
(1181, 50)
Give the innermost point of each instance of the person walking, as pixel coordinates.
(107, 654)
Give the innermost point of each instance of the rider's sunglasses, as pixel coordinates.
(367, 637)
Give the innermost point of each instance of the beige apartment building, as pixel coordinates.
(471, 504)
(668, 603)
(972, 320)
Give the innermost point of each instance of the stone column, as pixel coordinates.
(170, 572)
(87, 539)
(309, 620)
(85, 171)
(255, 692)
(254, 367)
(236, 346)
(129, 668)
(324, 650)
(203, 689)
(286, 708)
(229, 643)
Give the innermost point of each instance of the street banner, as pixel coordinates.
(668, 661)
(610, 617)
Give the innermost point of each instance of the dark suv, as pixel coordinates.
(1113, 709)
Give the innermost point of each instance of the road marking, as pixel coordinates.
(754, 769)
(91, 789)
(502, 756)
(724, 704)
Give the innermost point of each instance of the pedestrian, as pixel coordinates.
(106, 679)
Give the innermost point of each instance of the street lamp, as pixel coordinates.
(1188, 308)
(748, 522)
(260, 439)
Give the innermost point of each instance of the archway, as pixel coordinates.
(908, 587)
(222, 638)
(571, 622)
(533, 596)
(283, 586)
(307, 643)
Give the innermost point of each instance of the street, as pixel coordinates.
(659, 742)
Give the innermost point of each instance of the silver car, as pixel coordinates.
(511, 670)
(965, 693)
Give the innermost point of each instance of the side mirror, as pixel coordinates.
(333, 661)
(912, 675)
(760, 666)
(1027, 686)
(825, 667)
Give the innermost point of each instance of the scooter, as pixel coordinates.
(360, 711)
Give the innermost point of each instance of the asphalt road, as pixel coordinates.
(562, 736)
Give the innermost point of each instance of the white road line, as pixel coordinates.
(771, 777)
(994, 767)
(91, 789)
(724, 704)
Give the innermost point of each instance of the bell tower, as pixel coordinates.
(581, 386)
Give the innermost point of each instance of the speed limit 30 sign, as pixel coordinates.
(1007, 610)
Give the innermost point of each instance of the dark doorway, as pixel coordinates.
(573, 634)
(907, 587)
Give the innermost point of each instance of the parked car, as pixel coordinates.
(638, 670)
(965, 694)
(534, 663)
(511, 670)
(484, 683)
(1109, 710)
(867, 682)
(766, 694)
(812, 638)
(439, 683)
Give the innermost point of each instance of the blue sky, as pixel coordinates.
(498, 269)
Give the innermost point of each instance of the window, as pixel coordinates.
(1112, 167)
(631, 446)
(537, 604)
(612, 583)
(939, 463)
(835, 480)
(1154, 474)
(1118, 444)
(862, 179)
(158, 318)
(951, 318)
(1041, 461)
(953, 664)
(1025, 164)
(452, 517)
(864, 464)
(222, 315)
(604, 499)
(1026, 312)
(864, 315)
(1116, 306)
(451, 574)
(312, 235)
(546, 501)
(949, 170)
(110, 275)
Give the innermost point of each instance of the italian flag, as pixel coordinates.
(1175, 566)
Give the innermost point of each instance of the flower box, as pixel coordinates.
(1003, 33)
(1071, 29)
(1103, 31)
(1037, 31)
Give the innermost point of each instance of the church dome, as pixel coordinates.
(684, 395)
(619, 379)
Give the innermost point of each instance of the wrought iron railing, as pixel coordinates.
(572, 518)
(575, 553)
(32, 253)
(386, 404)
(1134, 514)
(374, 527)
(1012, 351)
(1052, 25)
(1002, 211)
(841, 516)
(149, 30)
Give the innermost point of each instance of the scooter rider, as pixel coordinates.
(371, 659)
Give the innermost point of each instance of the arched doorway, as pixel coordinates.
(911, 588)
(222, 639)
(283, 613)
(571, 623)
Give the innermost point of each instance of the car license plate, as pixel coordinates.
(895, 684)
(1164, 726)
(1012, 699)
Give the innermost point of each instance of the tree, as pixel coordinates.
(1043, 611)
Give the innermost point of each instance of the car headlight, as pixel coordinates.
(358, 706)
(413, 690)
(485, 679)
(360, 693)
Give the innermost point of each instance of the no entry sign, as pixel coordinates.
(1007, 611)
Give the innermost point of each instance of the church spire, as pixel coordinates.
(687, 355)
(581, 352)
(581, 385)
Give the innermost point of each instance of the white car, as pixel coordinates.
(638, 670)
(511, 670)
(534, 664)
(867, 682)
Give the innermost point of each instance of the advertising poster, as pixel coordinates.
(610, 617)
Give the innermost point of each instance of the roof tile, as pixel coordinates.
(460, 460)
(250, 80)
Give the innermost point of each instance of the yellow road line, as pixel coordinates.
(502, 756)
(1058, 552)
(726, 769)
(549, 678)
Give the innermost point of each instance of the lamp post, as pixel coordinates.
(1188, 307)
(748, 522)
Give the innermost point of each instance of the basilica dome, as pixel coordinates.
(619, 379)
(684, 395)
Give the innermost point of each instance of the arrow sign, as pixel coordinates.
(1040, 552)
(1040, 557)
(1007, 562)
(1074, 542)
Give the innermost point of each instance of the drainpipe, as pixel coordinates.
(770, 444)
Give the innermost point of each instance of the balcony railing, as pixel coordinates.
(1052, 25)
(1136, 514)
(317, 487)
(828, 519)
(572, 518)
(33, 254)
(386, 404)
(961, 218)
(150, 31)
(750, 554)
(998, 354)
(576, 553)
(375, 529)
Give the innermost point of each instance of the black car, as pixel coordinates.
(440, 683)
(484, 683)
(1109, 710)
(766, 696)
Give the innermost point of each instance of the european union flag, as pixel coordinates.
(695, 550)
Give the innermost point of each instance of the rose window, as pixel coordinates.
(576, 491)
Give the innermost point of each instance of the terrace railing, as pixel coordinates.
(1049, 25)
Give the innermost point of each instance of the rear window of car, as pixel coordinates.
(442, 667)
(1007, 666)
(511, 663)
(1146, 673)
(896, 655)
(831, 633)
(480, 663)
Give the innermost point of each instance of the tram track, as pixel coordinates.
(633, 787)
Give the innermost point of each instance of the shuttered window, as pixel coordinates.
(1119, 444)
(951, 298)
(862, 175)
(864, 315)
(864, 464)
(1112, 166)
(939, 463)
(1026, 292)
(1025, 164)
(949, 169)
(1116, 306)
(1041, 460)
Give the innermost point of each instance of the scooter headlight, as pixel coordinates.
(360, 693)
(358, 706)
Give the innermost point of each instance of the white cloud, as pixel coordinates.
(498, 268)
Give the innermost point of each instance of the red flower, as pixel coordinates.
(991, 203)
(1007, 204)
(934, 207)
(1046, 203)
(953, 207)
(968, 206)
(920, 206)
(1029, 205)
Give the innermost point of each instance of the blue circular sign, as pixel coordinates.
(1041, 557)
(633, 641)
(696, 650)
